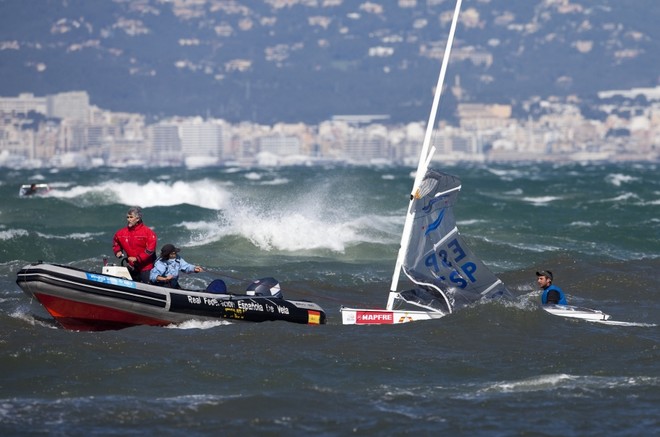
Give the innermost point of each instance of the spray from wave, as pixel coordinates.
(203, 193)
(296, 223)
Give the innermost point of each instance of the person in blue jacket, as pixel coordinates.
(551, 293)
(167, 267)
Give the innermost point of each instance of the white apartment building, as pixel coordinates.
(279, 145)
(72, 105)
(201, 138)
(365, 147)
(165, 144)
(23, 104)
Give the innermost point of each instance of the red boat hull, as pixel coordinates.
(82, 316)
(89, 301)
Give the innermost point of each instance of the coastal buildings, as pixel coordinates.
(65, 130)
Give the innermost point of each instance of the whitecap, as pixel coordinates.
(276, 181)
(302, 226)
(294, 231)
(83, 236)
(622, 197)
(617, 179)
(538, 383)
(204, 193)
(562, 381)
(12, 233)
(514, 192)
(508, 174)
(253, 176)
(541, 200)
(582, 224)
(470, 222)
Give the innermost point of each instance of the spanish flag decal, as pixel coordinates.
(313, 317)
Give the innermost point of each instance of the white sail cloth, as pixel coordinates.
(438, 259)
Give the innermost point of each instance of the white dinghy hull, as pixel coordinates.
(574, 312)
(363, 316)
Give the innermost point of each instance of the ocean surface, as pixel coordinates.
(330, 235)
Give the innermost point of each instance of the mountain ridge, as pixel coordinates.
(304, 61)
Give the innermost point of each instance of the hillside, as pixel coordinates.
(305, 60)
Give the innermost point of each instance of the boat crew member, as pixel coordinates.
(138, 243)
(168, 265)
(551, 293)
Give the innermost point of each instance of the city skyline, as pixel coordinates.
(73, 133)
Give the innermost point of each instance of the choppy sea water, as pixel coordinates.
(331, 235)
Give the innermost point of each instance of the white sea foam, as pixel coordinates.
(203, 232)
(542, 382)
(617, 179)
(12, 233)
(296, 227)
(514, 192)
(265, 178)
(582, 224)
(561, 381)
(299, 230)
(531, 247)
(198, 324)
(253, 176)
(621, 198)
(276, 181)
(59, 185)
(203, 193)
(470, 222)
(27, 316)
(508, 174)
(82, 236)
(540, 200)
(36, 177)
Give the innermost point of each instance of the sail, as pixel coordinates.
(437, 258)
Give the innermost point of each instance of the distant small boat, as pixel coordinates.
(33, 189)
(89, 301)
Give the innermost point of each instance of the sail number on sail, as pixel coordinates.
(453, 249)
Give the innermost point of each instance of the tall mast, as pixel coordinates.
(424, 159)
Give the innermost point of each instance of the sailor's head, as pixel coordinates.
(168, 250)
(544, 278)
(546, 273)
(133, 216)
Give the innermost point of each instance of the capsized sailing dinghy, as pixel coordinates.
(436, 259)
(91, 301)
(433, 255)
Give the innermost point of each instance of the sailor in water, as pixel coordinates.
(551, 293)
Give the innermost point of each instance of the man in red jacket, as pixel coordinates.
(138, 242)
